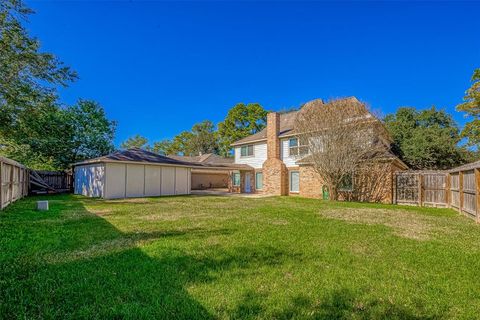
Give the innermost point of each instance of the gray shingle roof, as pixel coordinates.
(208, 158)
(287, 121)
(140, 155)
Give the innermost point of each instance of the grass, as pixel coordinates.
(211, 257)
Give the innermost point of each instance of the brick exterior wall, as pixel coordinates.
(241, 188)
(310, 183)
(275, 173)
(372, 183)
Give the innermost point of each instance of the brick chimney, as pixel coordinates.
(273, 130)
(275, 173)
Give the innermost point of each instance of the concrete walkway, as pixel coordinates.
(225, 193)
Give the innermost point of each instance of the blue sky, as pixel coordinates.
(159, 67)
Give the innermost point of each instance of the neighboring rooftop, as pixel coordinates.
(208, 158)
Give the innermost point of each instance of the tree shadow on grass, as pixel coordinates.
(343, 304)
(86, 268)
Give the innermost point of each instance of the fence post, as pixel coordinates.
(420, 189)
(460, 191)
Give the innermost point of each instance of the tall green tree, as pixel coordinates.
(91, 132)
(471, 106)
(181, 144)
(203, 139)
(241, 121)
(40, 133)
(426, 139)
(137, 141)
(163, 147)
(28, 77)
(34, 128)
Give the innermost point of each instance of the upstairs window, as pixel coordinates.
(246, 151)
(298, 147)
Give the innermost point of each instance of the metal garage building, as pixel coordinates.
(132, 173)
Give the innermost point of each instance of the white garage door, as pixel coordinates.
(135, 180)
(131, 180)
(168, 181)
(152, 180)
(115, 180)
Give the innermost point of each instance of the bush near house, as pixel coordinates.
(210, 257)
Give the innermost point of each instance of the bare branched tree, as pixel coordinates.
(342, 137)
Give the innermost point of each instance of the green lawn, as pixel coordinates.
(211, 257)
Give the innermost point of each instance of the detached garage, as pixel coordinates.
(132, 173)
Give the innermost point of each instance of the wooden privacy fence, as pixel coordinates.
(458, 188)
(14, 181)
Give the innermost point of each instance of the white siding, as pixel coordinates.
(89, 180)
(115, 174)
(259, 156)
(284, 154)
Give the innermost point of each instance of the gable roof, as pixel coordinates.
(287, 123)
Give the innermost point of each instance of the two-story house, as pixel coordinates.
(274, 160)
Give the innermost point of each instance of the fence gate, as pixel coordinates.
(406, 186)
(421, 188)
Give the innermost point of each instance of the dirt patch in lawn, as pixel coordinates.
(404, 223)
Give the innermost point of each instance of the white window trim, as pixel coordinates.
(290, 181)
(239, 180)
(298, 155)
(248, 156)
(256, 180)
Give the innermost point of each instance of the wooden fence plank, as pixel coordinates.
(12, 175)
(1, 185)
(12, 170)
(460, 191)
(477, 193)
